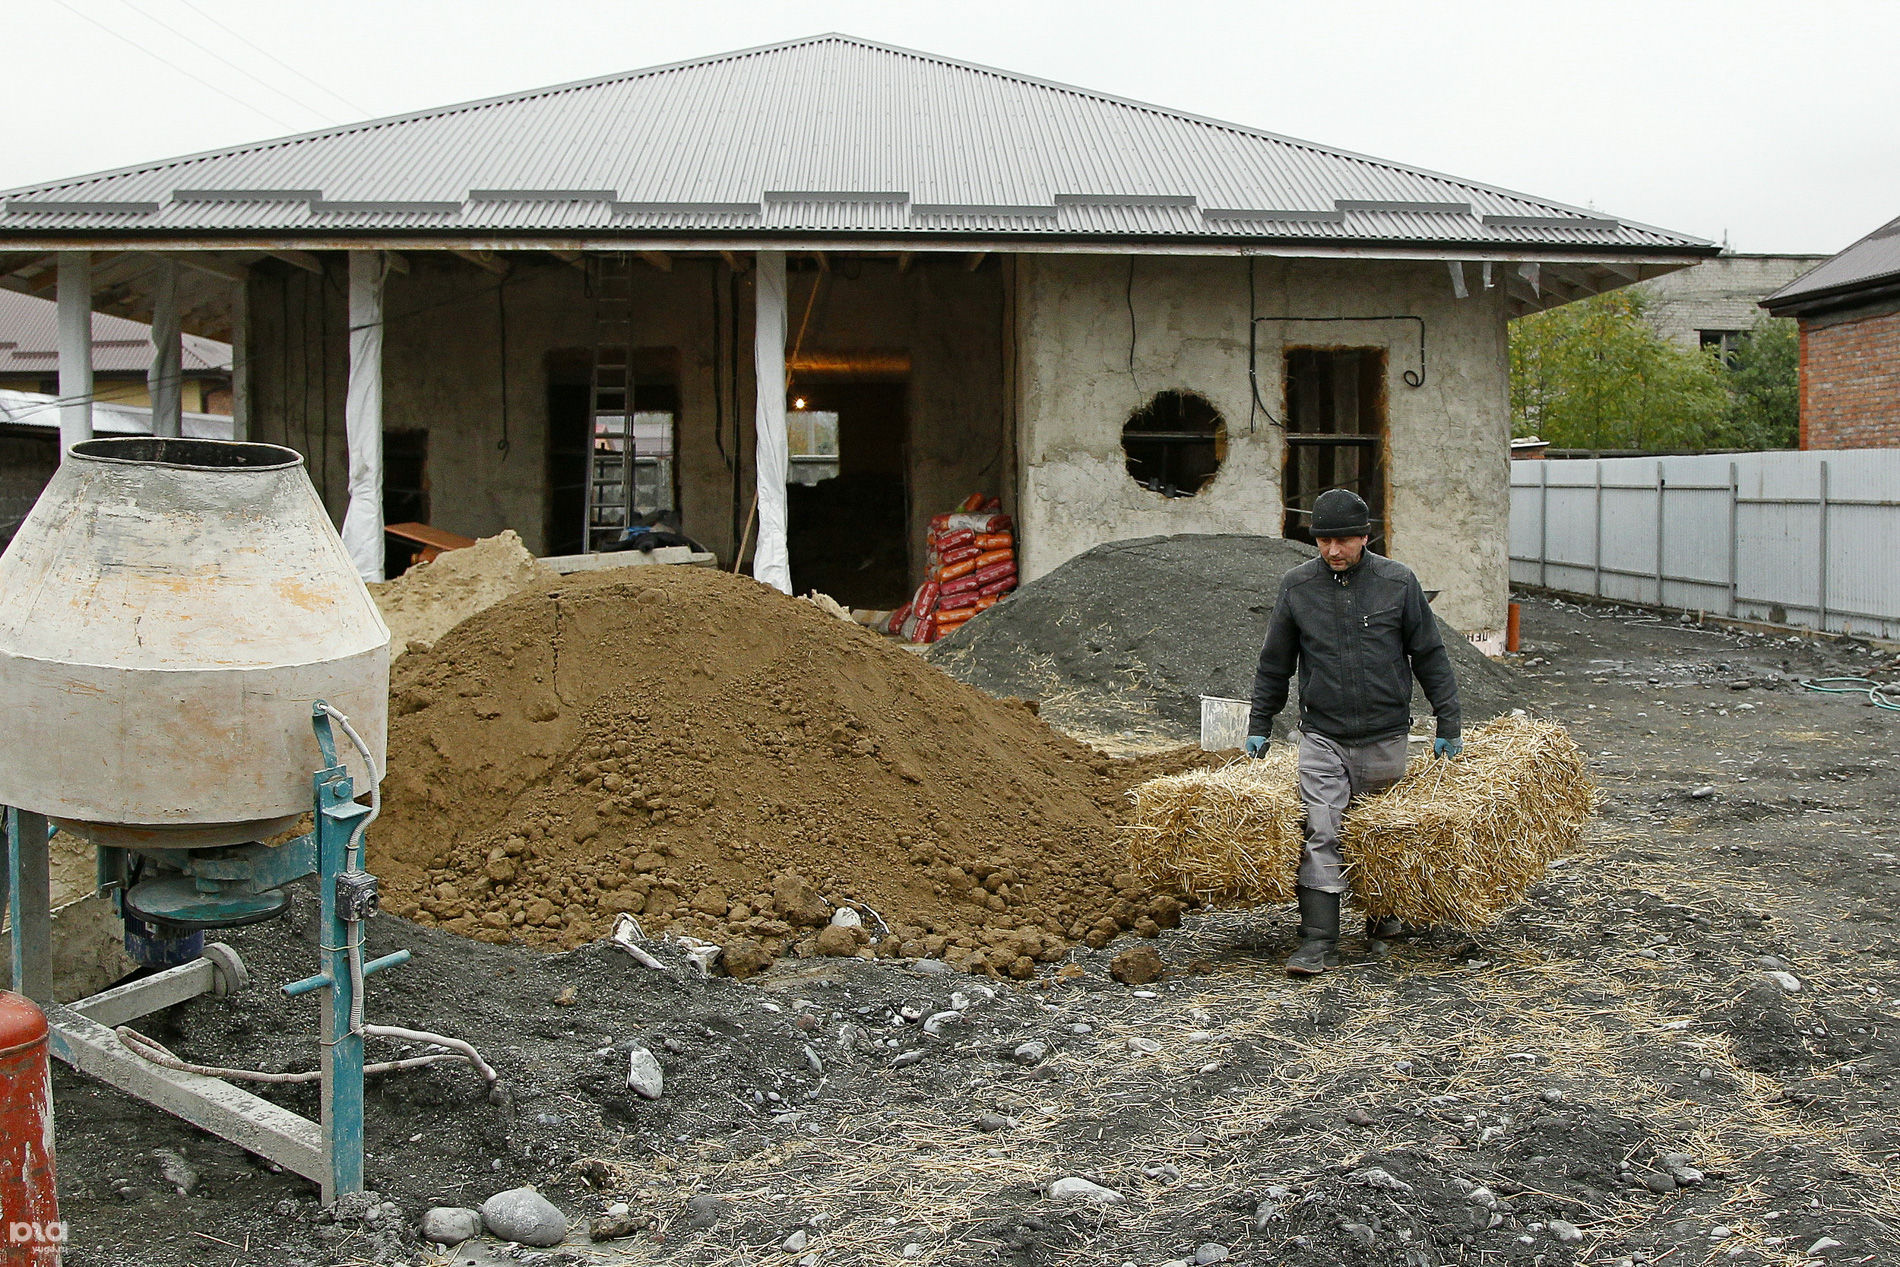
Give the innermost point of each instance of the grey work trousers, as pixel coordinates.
(1332, 776)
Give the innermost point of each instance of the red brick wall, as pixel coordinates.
(1850, 384)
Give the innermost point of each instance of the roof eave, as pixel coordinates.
(1828, 299)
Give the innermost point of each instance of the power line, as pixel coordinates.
(319, 111)
(164, 61)
(264, 52)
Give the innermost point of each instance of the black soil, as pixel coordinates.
(1127, 637)
(1455, 1102)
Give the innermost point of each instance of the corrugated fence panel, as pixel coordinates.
(1800, 538)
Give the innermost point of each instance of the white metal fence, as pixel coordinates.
(1808, 539)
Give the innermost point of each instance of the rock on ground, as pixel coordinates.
(524, 1216)
(1138, 965)
(450, 1225)
(645, 1078)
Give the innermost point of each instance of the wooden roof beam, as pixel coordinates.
(486, 260)
(658, 259)
(299, 259)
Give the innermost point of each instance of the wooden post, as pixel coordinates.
(28, 878)
(241, 359)
(1820, 581)
(164, 379)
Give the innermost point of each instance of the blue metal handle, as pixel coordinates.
(390, 960)
(308, 984)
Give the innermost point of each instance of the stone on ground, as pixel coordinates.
(524, 1216)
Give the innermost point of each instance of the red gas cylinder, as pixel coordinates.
(31, 1234)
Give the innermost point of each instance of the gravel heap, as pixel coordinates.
(1128, 636)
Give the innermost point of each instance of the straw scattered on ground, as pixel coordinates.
(1453, 844)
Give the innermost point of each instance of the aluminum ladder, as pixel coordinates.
(610, 447)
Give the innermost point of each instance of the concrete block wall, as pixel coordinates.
(1723, 293)
(1084, 364)
(1850, 382)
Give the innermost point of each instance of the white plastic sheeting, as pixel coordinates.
(771, 563)
(363, 416)
(75, 348)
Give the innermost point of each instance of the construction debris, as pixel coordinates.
(432, 598)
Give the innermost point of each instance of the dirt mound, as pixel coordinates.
(432, 598)
(717, 758)
(1128, 637)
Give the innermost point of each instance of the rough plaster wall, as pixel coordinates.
(1448, 450)
(442, 360)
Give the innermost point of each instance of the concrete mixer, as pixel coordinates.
(188, 664)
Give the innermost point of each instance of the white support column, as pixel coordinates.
(363, 416)
(241, 359)
(770, 562)
(164, 380)
(75, 348)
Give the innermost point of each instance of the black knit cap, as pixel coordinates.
(1338, 512)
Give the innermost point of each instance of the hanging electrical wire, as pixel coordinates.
(261, 51)
(169, 64)
(299, 102)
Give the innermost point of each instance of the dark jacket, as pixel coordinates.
(1358, 638)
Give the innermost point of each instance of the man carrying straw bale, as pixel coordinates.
(1358, 628)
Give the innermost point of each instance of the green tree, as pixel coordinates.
(1595, 375)
(1765, 388)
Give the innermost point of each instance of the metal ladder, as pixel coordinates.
(610, 448)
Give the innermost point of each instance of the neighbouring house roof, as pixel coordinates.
(828, 135)
(1868, 269)
(41, 413)
(29, 341)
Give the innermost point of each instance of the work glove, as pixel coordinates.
(1447, 748)
(1257, 745)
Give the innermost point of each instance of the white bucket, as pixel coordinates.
(1223, 723)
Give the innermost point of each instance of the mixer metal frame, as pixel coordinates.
(330, 1152)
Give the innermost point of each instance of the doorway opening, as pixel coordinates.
(405, 493)
(1335, 433)
(634, 474)
(848, 499)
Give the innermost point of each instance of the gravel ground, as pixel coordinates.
(1620, 1072)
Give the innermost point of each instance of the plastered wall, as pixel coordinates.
(1093, 345)
(449, 365)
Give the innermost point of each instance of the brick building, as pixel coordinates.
(1849, 310)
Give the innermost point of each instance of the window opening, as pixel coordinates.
(1335, 433)
(1175, 444)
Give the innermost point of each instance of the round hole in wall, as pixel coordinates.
(1175, 444)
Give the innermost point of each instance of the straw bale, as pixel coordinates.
(1453, 844)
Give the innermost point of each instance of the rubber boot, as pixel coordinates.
(1319, 934)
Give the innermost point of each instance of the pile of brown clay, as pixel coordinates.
(723, 761)
(432, 598)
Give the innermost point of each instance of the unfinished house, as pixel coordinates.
(797, 299)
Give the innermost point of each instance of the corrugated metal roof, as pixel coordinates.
(29, 341)
(1874, 260)
(830, 135)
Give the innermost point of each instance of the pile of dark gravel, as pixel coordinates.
(1128, 636)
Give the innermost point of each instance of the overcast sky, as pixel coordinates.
(1771, 124)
